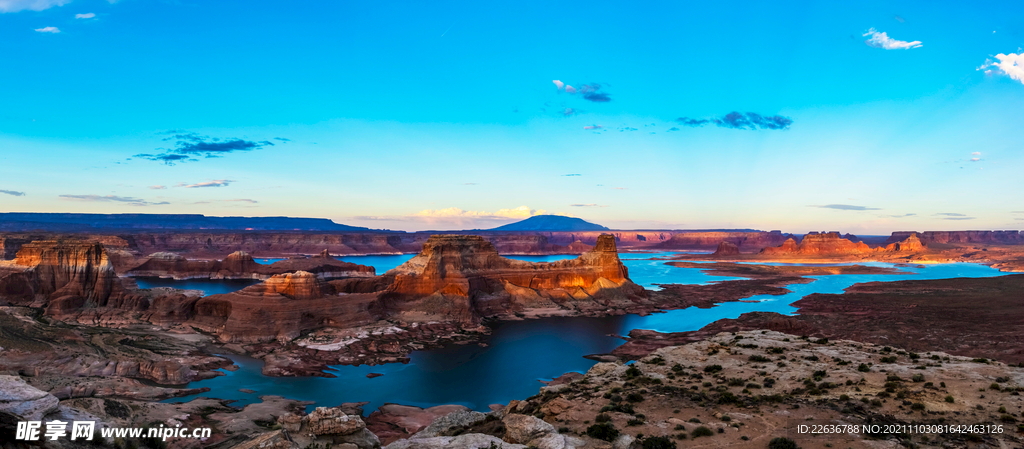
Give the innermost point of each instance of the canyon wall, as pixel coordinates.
(831, 244)
(746, 241)
(984, 237)
(463, 278)
(241, 265)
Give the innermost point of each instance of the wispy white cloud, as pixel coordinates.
(31, 5)
(157, 187)
(845, 207)
(1011, 65)
(558, 84)
(454, 212)
(879, 39)
(113, 199)
(87, 15)
(214, 183)
(588, 205)
(12, 192)
(53, 30)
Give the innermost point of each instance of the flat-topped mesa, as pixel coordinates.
(462, 278)
(57, 268)
(819, 244)
(298, 285)
(280, 308)
(750, 241)
(165, 264)
(241, 265)
(990, 237)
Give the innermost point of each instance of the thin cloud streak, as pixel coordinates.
(215, 183)
(113, 199)
(845, 207)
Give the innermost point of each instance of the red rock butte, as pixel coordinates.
(830, 244)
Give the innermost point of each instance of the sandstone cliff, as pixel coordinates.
(62, 268)
(750, 241)
(463, 278)
(727, 249)
(241, 265)
(281, 308)
(990, 237)
(831, 244)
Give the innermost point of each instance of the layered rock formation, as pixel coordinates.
(831, 244)
(457, 279)
(989, 237)
(726, 249)
(815, 244)
(463, 278)
(280, 309)
(748, 241)
(241, 265)
(62, 268)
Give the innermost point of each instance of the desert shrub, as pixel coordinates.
(759, 358)
(918, 378)
(602, 417)
(949, 399)
(633, 371)
(635, 422)
(736, 382)
(917, 406)
(863, 367)
(782, 443)
(712, 368)
(775, 350)
(635, 397)
(658, 443)
(603, 431)
(702, 431)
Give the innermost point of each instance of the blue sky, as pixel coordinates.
(445, 115)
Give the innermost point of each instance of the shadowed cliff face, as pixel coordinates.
(280, 308)
(241, 265)
(463, 278)
(992, 237)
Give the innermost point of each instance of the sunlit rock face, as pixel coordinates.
(463, 278)
(831, 244)
(57, 268)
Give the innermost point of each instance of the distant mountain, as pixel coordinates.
(60, 222)
(551, 223)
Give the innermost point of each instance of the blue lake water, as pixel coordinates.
(208, 286)
(521, 353)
